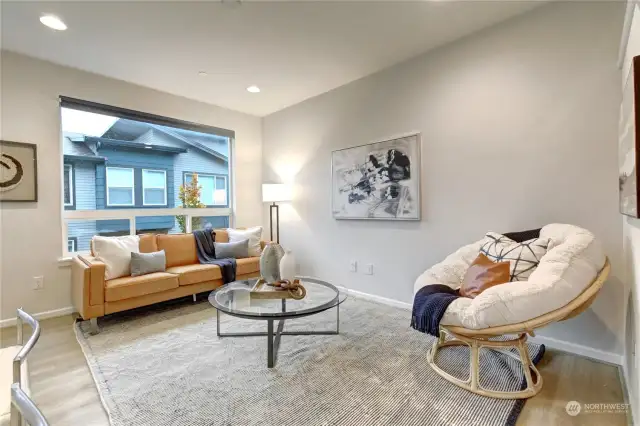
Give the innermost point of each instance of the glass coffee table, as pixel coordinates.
(235, 299)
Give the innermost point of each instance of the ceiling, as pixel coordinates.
(291, 50)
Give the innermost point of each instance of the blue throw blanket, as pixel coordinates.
(207, 255)
(429, 305)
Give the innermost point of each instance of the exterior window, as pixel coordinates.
(220, 193)
(213, 189)
(68, 185)
(71, 245)
(124, 172)
(154, 187)
(120, 187)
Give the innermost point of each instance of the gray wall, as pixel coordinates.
(518, 127)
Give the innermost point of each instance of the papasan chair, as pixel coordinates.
(565, 283)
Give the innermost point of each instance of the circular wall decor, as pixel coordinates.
(13, 169)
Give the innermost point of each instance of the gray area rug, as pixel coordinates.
(165, 365)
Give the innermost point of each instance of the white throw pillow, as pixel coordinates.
(252, 234)
(523, 257)
(115, 253)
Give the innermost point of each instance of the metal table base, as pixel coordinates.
(273, 339)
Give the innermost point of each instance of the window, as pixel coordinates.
(220, 193)
(120, 187)
(72, 244)
(154, 187)
(213, 189)
(68, 185)
(124, 170)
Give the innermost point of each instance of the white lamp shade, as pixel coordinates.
(272, 192)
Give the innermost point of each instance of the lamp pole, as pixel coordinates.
(277, 209)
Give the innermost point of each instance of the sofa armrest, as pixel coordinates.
(87, 277)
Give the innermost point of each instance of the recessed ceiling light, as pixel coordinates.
(202, 73)
(253, 89)
(53, 22)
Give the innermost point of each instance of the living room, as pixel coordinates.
(532, 103)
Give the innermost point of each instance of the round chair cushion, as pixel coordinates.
(572, 261)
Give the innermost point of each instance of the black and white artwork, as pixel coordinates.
(377, 181)
(18, 172)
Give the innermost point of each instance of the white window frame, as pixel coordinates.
(214, 176)
(69, 173)
(133, 188)
(73, 245)
(144, 201)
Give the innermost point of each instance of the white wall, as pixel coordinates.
(31, 233)
(519, 129)
(631, 227)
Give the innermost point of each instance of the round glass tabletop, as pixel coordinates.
(236, 299)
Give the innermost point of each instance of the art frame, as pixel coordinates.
(18, 172)
(389, 169)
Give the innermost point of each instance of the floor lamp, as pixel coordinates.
(273, 193)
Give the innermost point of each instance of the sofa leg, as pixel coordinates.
(194, 298)
(93, 326)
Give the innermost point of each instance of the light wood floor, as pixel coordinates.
(63, 388)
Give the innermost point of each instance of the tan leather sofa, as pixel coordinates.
(94, 297)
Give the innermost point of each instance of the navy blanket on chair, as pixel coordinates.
(429, 305)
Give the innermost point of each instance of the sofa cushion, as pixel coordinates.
(523, 257)
(238, 250)
(148, 243)
(221, 235)
(180, 249)
(573, 260)
(248, 265)
(128, 287)
(483, 274)
(115, 253)
(193, 274)
(146, 263)
(252, 234)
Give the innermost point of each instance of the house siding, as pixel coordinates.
(84, 195)
(138, 161)
(90, 185)
(194, 161)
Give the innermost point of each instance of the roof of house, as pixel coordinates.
(130, 134)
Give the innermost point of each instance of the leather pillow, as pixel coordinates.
(483, 274)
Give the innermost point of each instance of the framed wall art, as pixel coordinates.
(380, 180)
(18, 172)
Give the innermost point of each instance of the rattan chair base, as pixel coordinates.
(531, 373)
(476, 339)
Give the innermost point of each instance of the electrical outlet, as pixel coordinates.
(353, 266)
(38, 283)
(368, 269)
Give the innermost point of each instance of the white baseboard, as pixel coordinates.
(572, 348)
(10, 322)
(379, 299)
(577, 349)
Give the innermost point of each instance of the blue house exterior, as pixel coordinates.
(136, 165)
